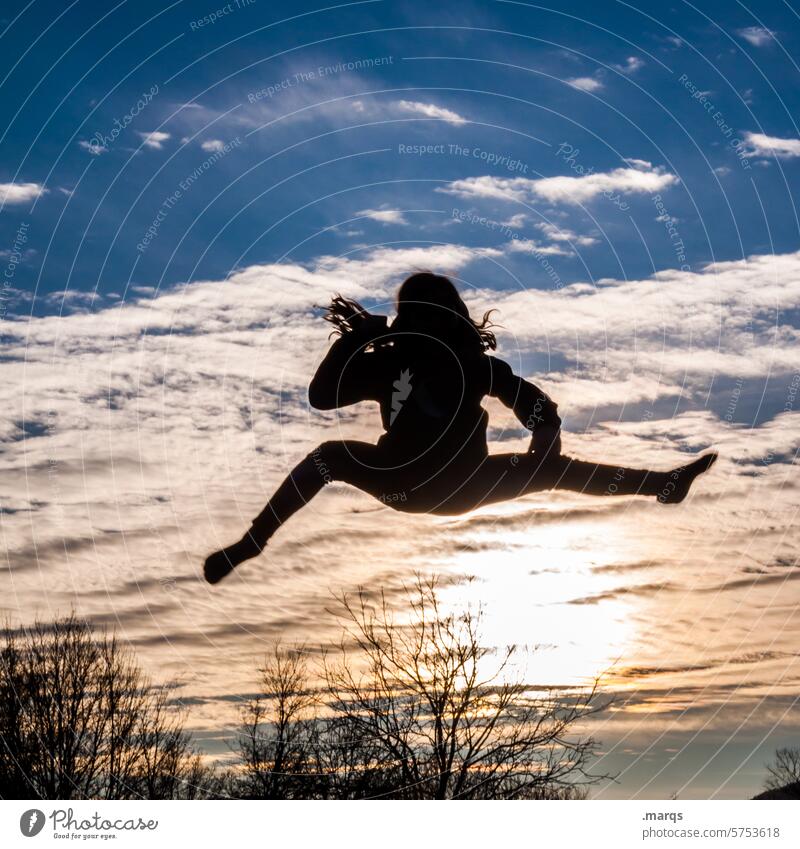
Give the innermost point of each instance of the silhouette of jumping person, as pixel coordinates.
(429, 372)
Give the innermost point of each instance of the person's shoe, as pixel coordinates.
(680, 480)
(222, 563)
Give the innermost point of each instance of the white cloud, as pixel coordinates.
(757, 36)
(156, 429)
(168, 375)
(430, 110)
(213, 145)
(642, 177)
(585, 83)
(92, 147)
(632, 64)
(19, 193)
(759, 144)
(515, 221)
(497, 188)
(154, 140)
(642, 164)
(529, 246)
(382, 265)
(129, 394)
(672, 320)
(74, 296)
(562, 234)
(384, 215)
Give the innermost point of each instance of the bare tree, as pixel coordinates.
(278, 740)
(79, 720)
(785, 769)
(449, 729)
(409, 712)
(289, 750)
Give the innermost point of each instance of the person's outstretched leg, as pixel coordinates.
(600, 479)
(503, 477)
(352, 462)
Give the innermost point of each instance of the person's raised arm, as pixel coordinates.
(346, 376)
(536, 411)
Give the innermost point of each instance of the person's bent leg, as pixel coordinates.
(307, 478)
(330, 461)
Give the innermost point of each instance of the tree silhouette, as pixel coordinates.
(408, 712)
(785, 769)
(79, 720)
(278, 740)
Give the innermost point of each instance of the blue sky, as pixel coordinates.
(183, 185)
(327, 147)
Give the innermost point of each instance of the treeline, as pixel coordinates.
(80, 720)
(403, 711)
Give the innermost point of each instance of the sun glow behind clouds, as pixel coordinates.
(527, 587)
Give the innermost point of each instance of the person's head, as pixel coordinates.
(429, 305)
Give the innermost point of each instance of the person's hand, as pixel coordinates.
(348, 316)
(370, 325)
(546, 441)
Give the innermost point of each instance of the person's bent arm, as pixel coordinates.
(535, 409)
(345, 375)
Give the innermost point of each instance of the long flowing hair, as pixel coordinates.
(426, 291)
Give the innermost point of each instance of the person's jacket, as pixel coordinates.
(429, 396)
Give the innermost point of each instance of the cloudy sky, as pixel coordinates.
(182, 185)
